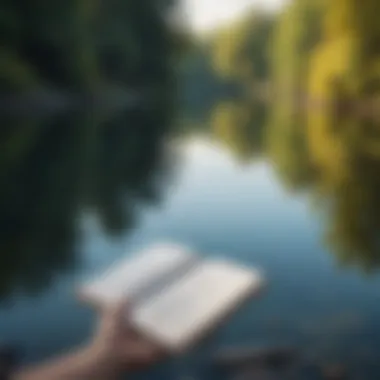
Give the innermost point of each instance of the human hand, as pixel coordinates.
(116, 345)
(114, 349)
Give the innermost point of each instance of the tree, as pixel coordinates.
(82, 44)
(240, 127)
(297, 31)
(287, 148)
(348, 50)
(56, 171)
(240, 51)
(349, 189)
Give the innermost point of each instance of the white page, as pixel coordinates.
(197, 302)
(138, 275)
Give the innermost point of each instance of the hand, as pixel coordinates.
(116, 345)
(114, 349)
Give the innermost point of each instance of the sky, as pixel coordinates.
(204, 15)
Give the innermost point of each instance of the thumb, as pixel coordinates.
(121, 311)
(116, 316)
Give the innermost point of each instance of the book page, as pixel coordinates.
(137, 277)
(196, 303)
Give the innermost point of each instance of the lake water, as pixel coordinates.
(78, 195)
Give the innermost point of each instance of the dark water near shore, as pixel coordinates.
(80, 190)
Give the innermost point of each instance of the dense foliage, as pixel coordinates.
(58, 172)
(83, 44)
(316, 64)
(321, 130)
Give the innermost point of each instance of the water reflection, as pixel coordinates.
(55, 170)
(346, 152)
(334, 156)
(287, 147)
(239, 125)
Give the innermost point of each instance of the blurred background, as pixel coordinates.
(244, 127)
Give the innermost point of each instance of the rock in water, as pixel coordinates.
(335, 372)
(257, 374)
(275, 358)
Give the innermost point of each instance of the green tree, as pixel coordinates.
(345, 150)
(240, 51)
(82, 44)
(348, 51)
(53, 172)
(286, 143)
(240, 127)
(297, 31)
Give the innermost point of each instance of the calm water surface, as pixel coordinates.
(129, 192)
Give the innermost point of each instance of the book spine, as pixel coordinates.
(155, 288)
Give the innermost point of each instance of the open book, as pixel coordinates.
(177, 296)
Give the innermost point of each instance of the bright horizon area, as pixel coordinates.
(205, 15)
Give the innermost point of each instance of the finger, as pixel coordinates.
(111, 320)
(144, 349)
(132, 335)
(141, 350)
(142, 354)
(120, 311)
(116, 315)
(138, 341)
